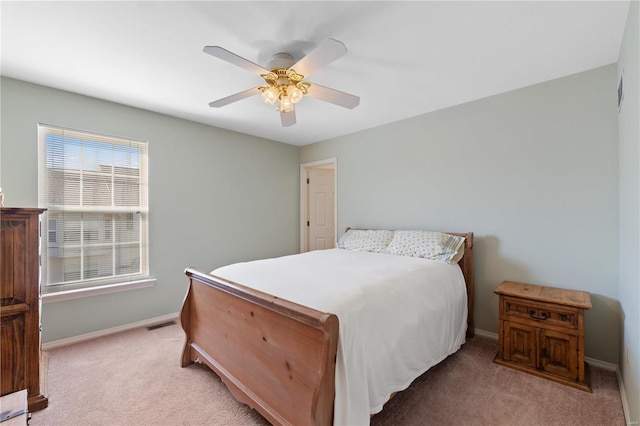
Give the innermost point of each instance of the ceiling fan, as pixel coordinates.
(285, 83)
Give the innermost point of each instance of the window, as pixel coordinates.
(94, 188)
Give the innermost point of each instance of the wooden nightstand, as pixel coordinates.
(541, 331)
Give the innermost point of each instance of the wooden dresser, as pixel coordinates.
(541, 331)
(20, 304)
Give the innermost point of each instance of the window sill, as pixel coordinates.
(96, 291)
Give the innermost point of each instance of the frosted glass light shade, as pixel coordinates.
(285, 104)
(270, 96)
(294, 93)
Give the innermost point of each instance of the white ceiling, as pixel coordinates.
(404, 58)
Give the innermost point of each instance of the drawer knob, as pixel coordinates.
(541, 317)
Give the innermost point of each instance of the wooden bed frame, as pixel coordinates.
(276, 356)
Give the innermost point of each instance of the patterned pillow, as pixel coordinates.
(427, 244)
(372, 240)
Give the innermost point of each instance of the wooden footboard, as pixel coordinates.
(276, 356)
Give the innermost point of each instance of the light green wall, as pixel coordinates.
(629, 139)
(215, 197)
(533, 172)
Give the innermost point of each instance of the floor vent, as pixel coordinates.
(164, 324)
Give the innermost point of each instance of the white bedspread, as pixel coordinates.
(399, 316)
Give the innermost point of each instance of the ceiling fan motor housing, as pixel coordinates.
(280, 60)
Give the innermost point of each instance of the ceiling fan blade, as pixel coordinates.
(234, 98)
(333, 96)
(327, 52)
(288, 118)
(234, 59)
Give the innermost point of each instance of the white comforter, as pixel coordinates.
(399, 316)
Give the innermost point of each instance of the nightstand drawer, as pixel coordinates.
(560, 316)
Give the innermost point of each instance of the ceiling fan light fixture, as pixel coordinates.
(285, 104)
(270, 95)
(295, 94)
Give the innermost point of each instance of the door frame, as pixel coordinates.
(304, 202)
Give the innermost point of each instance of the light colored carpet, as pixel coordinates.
(134, 378)
(469, 389)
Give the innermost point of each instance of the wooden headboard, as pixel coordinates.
(466, 264)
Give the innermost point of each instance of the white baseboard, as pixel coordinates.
(623, 397)
(601, 364)
(75, 339)
(484, 333)
(591, 361)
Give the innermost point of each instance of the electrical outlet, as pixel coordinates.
(626, 355)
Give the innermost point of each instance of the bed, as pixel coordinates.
(300, 357)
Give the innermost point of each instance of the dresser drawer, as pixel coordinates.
(550, 314)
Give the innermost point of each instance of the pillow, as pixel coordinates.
(373, 240)
(429, 245)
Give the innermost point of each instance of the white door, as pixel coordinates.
(321, 208)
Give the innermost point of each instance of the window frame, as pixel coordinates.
(84, 286)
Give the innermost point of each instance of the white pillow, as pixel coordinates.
(373, 240)
(427, 244)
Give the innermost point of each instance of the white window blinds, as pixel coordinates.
(94, 188)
